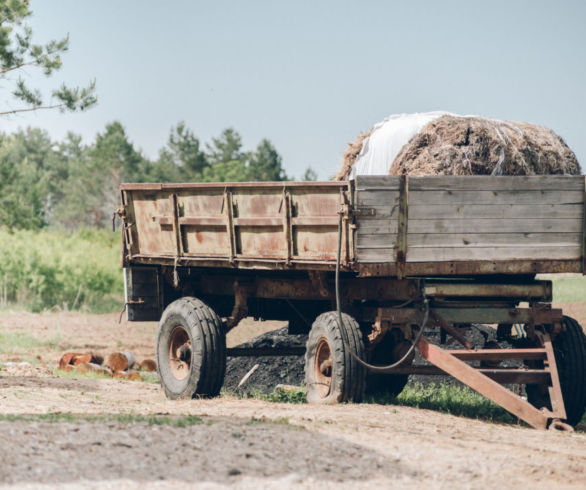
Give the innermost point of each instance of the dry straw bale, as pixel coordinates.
(456, 145)
(350, 154)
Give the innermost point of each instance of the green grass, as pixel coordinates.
(447, 398)
(76, 375)
(444, 397)
(41, 270)
(180, 421)
(147, 377)
(12, 342)
(276, 396)
(569, 288)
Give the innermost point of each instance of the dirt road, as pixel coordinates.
(252, 443)
(239, 442)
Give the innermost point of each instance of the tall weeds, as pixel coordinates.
(42, 270)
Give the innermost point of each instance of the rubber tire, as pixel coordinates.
(208, 349)
(570, 355)
(348, 376)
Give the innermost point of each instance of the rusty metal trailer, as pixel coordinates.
(368, 268)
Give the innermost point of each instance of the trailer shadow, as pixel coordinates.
(446, 397)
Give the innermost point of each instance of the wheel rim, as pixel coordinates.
(323, 367)
(179, 353)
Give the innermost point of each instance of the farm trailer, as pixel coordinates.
(369, 268)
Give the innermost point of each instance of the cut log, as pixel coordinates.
(89, 367)
(148, 365)
(121, 361)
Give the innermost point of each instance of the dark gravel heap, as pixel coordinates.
(478, 335)
(274, 370)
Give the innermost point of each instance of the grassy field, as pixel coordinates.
(62, 271)
(567, 288)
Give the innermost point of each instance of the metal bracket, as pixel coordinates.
(364, 211)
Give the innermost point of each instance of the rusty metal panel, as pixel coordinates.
(259, 216)
(202, 216)
(152, 236)
(248, 225)
(315, 223)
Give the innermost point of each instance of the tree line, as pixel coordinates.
(68, 184)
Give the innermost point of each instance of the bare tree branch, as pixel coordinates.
(22, 65)
(30, 109)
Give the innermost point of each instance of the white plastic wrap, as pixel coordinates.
(381, 148)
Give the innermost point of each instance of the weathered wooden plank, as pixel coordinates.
(493, 253)
(377, 182)
(430, 254)
(534, 225)
(482, 211)
(391, 197)
(473, 182)
(490, 183)
(471, 239)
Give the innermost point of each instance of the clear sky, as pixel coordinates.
(310, 75)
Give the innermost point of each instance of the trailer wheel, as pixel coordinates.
(570, 355)
(191, 350)
(332, 375)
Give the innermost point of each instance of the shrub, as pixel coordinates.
(52, 269)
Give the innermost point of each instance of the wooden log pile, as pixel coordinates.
(120, 365)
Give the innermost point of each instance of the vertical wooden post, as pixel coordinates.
(401, 245)
(584, 230)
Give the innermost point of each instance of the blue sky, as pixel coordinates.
(311, 75)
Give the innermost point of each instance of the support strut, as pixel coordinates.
(478, 381)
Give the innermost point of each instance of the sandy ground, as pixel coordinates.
(242, 442)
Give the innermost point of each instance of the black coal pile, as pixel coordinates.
(481, 336)
(272, 370)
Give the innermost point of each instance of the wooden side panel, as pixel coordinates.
(478, 218)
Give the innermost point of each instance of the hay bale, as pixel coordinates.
(350, 154)
(120, 361)
(469, 145)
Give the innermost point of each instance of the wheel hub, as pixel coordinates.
(323, 367)
(179, 353)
